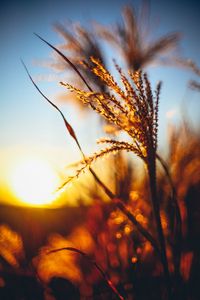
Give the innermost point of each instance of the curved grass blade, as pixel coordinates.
(67, 60)
(94, 263)
(67, 125)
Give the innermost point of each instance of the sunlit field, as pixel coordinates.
(120, 220)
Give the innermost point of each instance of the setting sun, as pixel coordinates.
(34, 181)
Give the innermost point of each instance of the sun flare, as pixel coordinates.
(34, 181)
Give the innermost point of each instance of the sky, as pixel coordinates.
(28, 124)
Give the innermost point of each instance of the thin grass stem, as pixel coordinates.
(156, 210)
(95, 264)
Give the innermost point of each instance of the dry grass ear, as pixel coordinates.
(130, 39)
(134, 110)
(79, 44)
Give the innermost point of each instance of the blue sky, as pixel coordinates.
(27, 122)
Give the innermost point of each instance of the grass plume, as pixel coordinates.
(108, 192)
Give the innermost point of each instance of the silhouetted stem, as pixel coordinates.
(156, 210)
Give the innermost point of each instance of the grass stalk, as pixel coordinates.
(151, 165)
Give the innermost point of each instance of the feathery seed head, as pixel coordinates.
(132, 108)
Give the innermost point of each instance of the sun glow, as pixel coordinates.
(34, 181)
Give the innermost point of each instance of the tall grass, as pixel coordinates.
(131, 106)
(136, 112)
